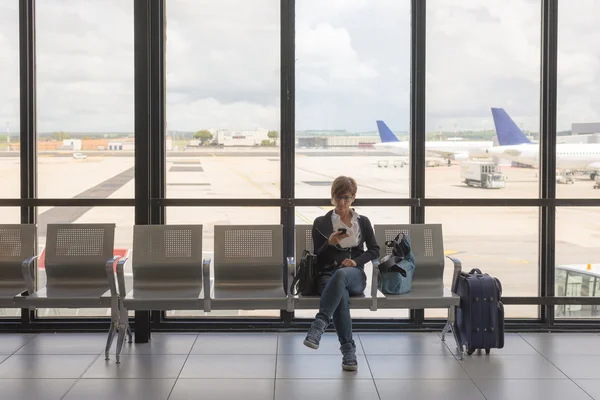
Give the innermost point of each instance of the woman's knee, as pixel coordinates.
(339, 276)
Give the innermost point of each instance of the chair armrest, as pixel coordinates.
(374, 284)
(110, 275)
(121, 277)
(28, 273)
(456, 274)
(206, 283)
(291, 273)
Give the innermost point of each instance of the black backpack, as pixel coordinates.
(305, 280)
(400, 249)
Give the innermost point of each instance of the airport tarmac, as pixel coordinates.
(501, 241)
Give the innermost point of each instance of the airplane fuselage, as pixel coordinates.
(439, 148)
(568, 155)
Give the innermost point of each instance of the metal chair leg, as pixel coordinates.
(120, 341)
(109, 340)
(129, 334)
(447, 328)
(451, 327)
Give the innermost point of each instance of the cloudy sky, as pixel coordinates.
(352, 64)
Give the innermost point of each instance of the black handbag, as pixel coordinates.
(305, 280)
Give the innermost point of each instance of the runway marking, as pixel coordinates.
(450, 252)
(304, 218)
(67, 215)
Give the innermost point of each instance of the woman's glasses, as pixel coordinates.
(344, 198)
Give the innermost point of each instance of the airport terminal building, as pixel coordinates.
(177, 218)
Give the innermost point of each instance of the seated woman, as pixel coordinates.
(339, 238)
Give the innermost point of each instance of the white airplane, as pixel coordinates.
(515, 146)
(449, 149)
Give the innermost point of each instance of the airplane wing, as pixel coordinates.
(443, 153)
(594, 166)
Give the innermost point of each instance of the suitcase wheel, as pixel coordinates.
(470, 351)
(487, 351)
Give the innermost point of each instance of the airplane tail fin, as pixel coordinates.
(507, 131)
(385, 133)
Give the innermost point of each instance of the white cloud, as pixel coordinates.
(210, 113)
(482, 54)
(9, 78)
(325, 54)
(578, 63)
(352, 64)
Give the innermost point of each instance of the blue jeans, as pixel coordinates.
(335, 293)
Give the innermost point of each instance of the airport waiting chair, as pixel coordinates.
(17, 256)
(167, 271)
(366, 300)
(428, 289)
(79, 263)
(248, 269)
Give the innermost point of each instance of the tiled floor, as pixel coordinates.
(277, 366)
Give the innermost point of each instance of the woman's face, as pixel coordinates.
(343, 202)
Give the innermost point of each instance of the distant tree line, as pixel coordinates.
(205, 137)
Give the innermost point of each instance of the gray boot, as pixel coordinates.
(313, 337)
(349, 361)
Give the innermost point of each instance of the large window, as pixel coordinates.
(502, 242)
(577, 259)
(347, 79)
(483, 84)
(85, 98)
(85, 117)
(9, 100)
(223, 89)
(578, 101)
(578, 157)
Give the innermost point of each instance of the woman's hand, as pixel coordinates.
(335, 238)
(349, 263)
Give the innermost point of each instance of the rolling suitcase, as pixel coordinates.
(480, 317)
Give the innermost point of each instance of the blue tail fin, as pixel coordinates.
(385, 133)
(508, 132)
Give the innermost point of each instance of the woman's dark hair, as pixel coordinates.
(342, 185)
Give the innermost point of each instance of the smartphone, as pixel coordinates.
(342, 231)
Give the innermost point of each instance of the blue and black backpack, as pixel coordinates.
(397, 269)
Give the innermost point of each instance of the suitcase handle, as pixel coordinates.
(475, 270)
(499, 286)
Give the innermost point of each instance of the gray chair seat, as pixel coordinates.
(8, 294)
(56, 297)
(245, 297)
(420, 297)
(363, 300)
(161, 298)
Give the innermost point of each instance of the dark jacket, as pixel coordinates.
(326, 254)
